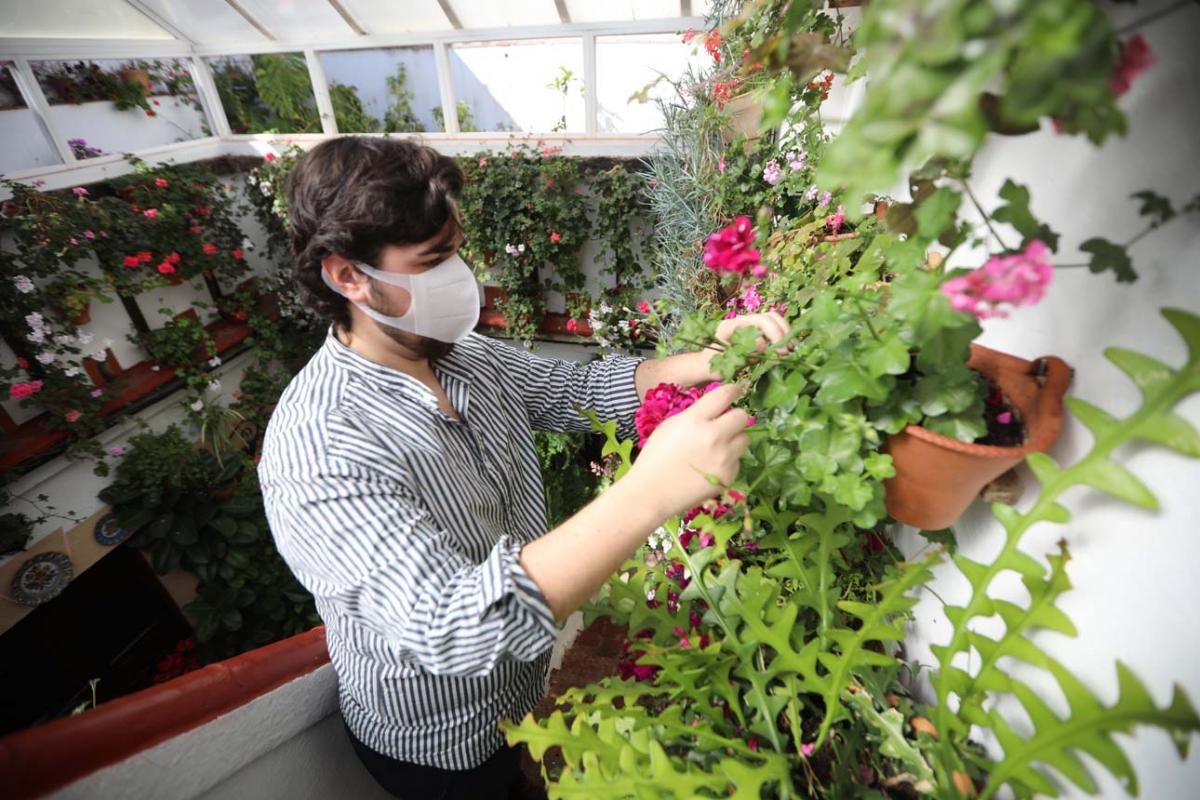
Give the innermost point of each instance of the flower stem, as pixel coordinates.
(987, 220)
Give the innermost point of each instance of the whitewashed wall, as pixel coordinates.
(1134, 572)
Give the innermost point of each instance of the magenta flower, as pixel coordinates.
(1002, 283)
(664, 400)
(1134, 59)
(721, 165)
(151, 213)
(732, 248)
(835, 220)
(73, 416)
(79, 191)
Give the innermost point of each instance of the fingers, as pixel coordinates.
(732, 422)
(716, 402)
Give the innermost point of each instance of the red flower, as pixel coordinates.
(173, 258)
(731, 249)
(269, 157)
(131, 261)
(555, 238)
(572, 326)
(712, 43)
(663, 401)
(1134, 59)
(156, 103)
(644, 307)
(149, 113)
(73, 416)
(22, 363)
(161, 183)
(166, 268)
(195, 229)
(150, 213)
(237, 253)
(240, 316)
(209, 249)
(144, 256)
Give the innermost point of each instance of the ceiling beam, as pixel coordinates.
(450, 15)
(564, 16)
(246, 15)
(347, 17)
(159, 20)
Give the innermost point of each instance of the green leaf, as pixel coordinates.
(936, 213)
(1016, 213)
(1154, 206)
(1113, 478)
(1109, 256)
(889, 357)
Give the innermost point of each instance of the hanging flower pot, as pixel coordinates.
(937, 477)
(745, 113)
(138, 76)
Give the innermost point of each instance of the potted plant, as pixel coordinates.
(137, 76)
(937, 477)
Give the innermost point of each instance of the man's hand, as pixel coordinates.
(701, 442)
(772, 325)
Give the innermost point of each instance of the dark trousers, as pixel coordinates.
(498, 778)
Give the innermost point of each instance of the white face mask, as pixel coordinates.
(443, 301)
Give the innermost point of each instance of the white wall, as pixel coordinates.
(1134, 572)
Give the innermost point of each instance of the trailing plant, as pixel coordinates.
(466, 117)
(566, 472)
(188, 510)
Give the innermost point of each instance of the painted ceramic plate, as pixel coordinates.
(108, 532)
(42, 578)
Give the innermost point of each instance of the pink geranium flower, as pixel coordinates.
(664, 400)
(150, 213)
(644, 307)
(210, 249)
(1134, 59)
(732, 248)
(73, 416)
(555, 237)
(79, 191)
(19, 390)
(161, 183)
(1002, 283)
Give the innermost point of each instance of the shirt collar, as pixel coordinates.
(452, 365)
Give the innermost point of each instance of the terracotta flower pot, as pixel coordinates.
(937, 477)
(141, 76)
(745, 114)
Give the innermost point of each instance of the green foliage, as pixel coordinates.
(566, 473)
(348, 110)
(190, 511)
(400, 117)
(466, 118)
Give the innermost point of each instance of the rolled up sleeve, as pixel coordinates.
(363, 542)
(554, 390)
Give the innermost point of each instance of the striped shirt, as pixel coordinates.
(406, 525)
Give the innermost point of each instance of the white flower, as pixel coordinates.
(520, 248)
(37, 336)
(155, 368)
(35, 321)
(649, 595)
(687, 576)
(214, 386)
(45, 358)
(215, 361)
(247, 244)
(72, 372)
(64, 340)
(84, 337)
(197, 406)
(99, 355)
(265, 188)
(666, 545)
(23, 284)
(511, 249)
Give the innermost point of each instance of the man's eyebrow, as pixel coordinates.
(444, 247)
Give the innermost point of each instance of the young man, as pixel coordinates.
(402, 486)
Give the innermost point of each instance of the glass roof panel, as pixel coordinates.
(381, 16)
(302, 22)
(612, 10)
(72, 19)
(206, 22)
(493, 14)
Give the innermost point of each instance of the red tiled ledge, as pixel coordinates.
(39, 760)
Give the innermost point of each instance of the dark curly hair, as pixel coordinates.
(352, 196)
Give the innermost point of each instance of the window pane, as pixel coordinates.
(393, 90)
(643, 65)
(269, 92)
(534, 85)
(115, 106)
(25, 145)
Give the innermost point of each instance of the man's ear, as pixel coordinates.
(346, 277)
